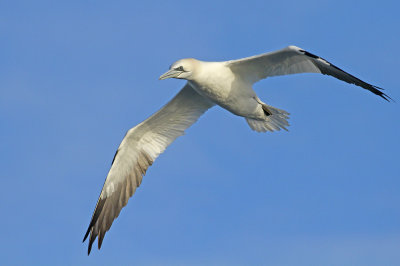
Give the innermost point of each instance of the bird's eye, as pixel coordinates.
(180, 68)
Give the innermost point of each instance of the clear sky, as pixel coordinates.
(76, 75)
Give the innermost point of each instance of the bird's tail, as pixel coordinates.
(274, 120)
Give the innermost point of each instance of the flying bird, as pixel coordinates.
(227, 84)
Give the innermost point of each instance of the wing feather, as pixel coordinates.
(293, 60)
(137, 151)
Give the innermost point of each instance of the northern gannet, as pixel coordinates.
(227, 84)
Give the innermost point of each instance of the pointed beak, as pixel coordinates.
(172, 73)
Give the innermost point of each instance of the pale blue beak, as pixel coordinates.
(172, 73)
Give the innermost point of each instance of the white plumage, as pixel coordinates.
(227, 84)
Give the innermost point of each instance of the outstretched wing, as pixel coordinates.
(137, 151)
(292, 60)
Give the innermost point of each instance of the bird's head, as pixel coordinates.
(182, 69)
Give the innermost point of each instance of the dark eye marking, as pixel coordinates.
(180, 68)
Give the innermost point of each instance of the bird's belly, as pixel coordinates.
(214, 92)
(239, 100)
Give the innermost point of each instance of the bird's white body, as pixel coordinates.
(227, 84)
(216, 82)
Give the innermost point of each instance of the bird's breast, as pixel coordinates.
(216, 92)
(216, 82)
(221, 86)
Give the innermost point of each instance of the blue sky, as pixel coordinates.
(76, 75)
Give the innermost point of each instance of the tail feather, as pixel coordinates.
(275, 120)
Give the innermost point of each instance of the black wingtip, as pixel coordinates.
(378, 91)
(387, 98)
(90, 241)
(96, 214)
(90, 244)
(86, 235)
(374, 89)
